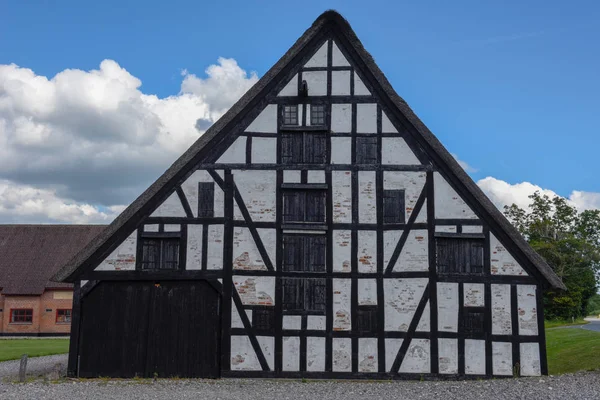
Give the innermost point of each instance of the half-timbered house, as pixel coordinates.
(318, 229)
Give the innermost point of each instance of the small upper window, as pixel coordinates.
(63, 316)
(366, 150)
(160, 253)
(290, 115)
(304, 206)
(459, 255)
(206, 199)
(472, 322)
(21, 315)
(393, 206)
(317, 114)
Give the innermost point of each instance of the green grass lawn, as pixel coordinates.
(12, 349)
(572, 350)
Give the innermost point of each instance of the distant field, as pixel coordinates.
(12, 349)
(572, 350)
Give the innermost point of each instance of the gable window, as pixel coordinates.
(317, 114)
(303, 148)
(206, 199)
(459, 255)
(160, 253)
(393, 207)
(21, 315)
(290, 115)
(63, 316)
(304, 206)
(366, 150)
(263, 319)
(472, 321)
(366, 319)
(304, 295)
(304, 253)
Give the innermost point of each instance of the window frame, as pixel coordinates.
(203, 210)
(362, 151)
(401, 216)
(307, 287)
(284, 113)
(70, 315)
(321, 114)
(300, 142)
(468, 313)
(306, 204)
(172, 237)
(24, 322)
(307, 244)
(474, 241)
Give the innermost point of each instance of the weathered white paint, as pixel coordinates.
(264, 150)
(194, 247)
(342, 196)
(341, 118)
(293, 322)
(266, 121)
(474, 294)
(243, 356)
(341, 251)
(390, 240)
(291, 353)
(245, 252)
(392, 346)
(414, 254)
(268, 237)
(151, 228)
(367, 355)
(367, 204)
(425, 321)
(267, 345)
(316, 81)
(502, 358)
(340, 83)
(171, 207)
(448, 204)
(472, 229)
(319, 59)
(530, 359)
(367, 292)
(366, 118)
(527, 305)
(190, 189)
(291, 88)
(236, 153)
(258, 190)
(367, 251)
(386, 124)
(290, 176)
(417, 358)
(446, 228)
(337, 58)
(448, 356)
(402, 297)
(501, 324)
(502, 262)
(447, 305)
(341, 304)
(359, 87)
(395, 151)
(342, 354)
(316, 322)
(172, 227)
(236, 320)
(474, 357)
(315, 177)
(315, 353)
(214, 256)
(255, 290)
(123, 257)
(412, 183)
(341, 150)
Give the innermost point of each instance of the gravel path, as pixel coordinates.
(36, 366)
(584, 385)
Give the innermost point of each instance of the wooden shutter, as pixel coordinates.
(366, 319)
(150, 253)
(294, 205)
(315, 293)
(293, 253)
(366, 150)
(315, 206)
(206, 199)
(293, 294)
(170, 254)
(459, 255)
(315, 253)
(472, 322)
(393, 207)
(291, 148)
(263, 319)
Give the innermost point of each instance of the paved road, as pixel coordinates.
(592, 326)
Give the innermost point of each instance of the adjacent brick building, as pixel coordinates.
(30, 304)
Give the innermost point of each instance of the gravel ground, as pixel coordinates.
(584, 385)
(36, 366)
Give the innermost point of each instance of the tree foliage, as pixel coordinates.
(569, 241)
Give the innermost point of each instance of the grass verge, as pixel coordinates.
(572, 350)
(12, 349)
(557, 323)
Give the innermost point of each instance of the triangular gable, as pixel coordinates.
(396, 116)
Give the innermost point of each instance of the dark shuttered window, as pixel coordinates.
(304, 206)
(366, 319)
(290, 115)
(303, 148)
(472, 322)
(263, 319)
(304, 253)
(459, 255)
(304, 294)
(317, 114)
(160, 253)
(366, 150)
(393, 207)
(206, 199)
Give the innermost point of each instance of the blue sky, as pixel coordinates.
(510, 87)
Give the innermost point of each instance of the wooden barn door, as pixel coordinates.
(150, 329)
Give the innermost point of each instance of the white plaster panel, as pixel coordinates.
(255, 290)
(291, 88)
(447, 300)
(319, 59)
(414, 255)
(342, 354)
(530, 359)
(367, 251)
(472, 229)
(527, 303)
(359, 87)
(236, 153)
(340, 83)
(236, 320)
(316, 322)
(267, 345)
(245, 252)
(395, 150)
(390, 240)
(341, 251)
(402, 297)
(412, 183)
(171, 207)
(172, 227)
(341, 150)
(123, 257)
(502, 358)
(386, 124)
(194, 247)
(366, 118)
(367, 292)
(315, 177)
(291, 176)
(341, 304)
(474, 357)
(367, 205)
(291, 353)
(264, 150)
(190, 189)
(342, 196)
(474, 294)
(448, 204)
(151, 228)
(446, 228)
(341, 118)
(417, 358)
(315, 353)
(367, 355)
(502, 262)
(266, 121)
(257, 189)
(337, 58)
(243, 356)
(268, 237)
(392, 346)
(214, 257)
(316, 81)
(293, 322)
(501, 320)
(448, 356)
(425, 321)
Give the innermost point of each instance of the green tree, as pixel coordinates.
(569, 241)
